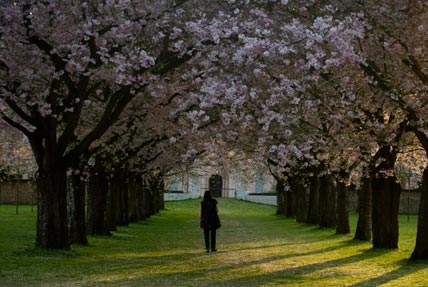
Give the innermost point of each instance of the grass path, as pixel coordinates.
(256, 248)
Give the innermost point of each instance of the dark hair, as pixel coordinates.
(208, 195)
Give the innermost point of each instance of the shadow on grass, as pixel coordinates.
(175, 275)
(331, 248)
(293, 274)
(406, 267)
(297, 273)
(48, 253)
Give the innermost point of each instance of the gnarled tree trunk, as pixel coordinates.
(421, 247)
(52, 229)
(386, 199)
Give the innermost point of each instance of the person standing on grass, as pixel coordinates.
(209, 220)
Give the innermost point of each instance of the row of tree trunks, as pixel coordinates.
(285, 199)
(133, 211)
(98, 191)
(314, 191)
(327, 200)
(304, 197)
(111, 202)
(120, 193)
(280, 196)
(378, 205)
(156, 187)
(298, 189)
(289, 202)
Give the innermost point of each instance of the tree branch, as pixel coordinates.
(117, 103)
(16, 125)
(12, 104)
(416, 68)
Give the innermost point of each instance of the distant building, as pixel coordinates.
(222, 185)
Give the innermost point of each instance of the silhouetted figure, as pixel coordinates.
(209, 221)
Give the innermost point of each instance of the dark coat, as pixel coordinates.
(209, 215)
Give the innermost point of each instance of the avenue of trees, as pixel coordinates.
(114, 95)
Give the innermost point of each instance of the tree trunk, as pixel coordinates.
(132, 202)
(118, 206)
(342, 215)
(161, 193)
(298, 189)
(148, 199)
(313, 208)
(52, 221)
(77, 210)
(97, 205)
(140, 197)
(280, 196)
(421, 247)
(327, 201)
(112, 206)
(386, 199)
(152, 197)
(364, 225)
(157, 188)
(289, 201)
(120, 186)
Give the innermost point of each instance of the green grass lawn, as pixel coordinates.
(256, 248)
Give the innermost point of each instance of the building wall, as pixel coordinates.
(232, 187)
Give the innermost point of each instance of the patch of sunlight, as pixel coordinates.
(142, 255)
(94, 280)
(234, 273)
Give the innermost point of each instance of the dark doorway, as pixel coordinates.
(216, 185)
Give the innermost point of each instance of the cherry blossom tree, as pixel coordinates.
(66, 62)
(268, 105)
(398, 34)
